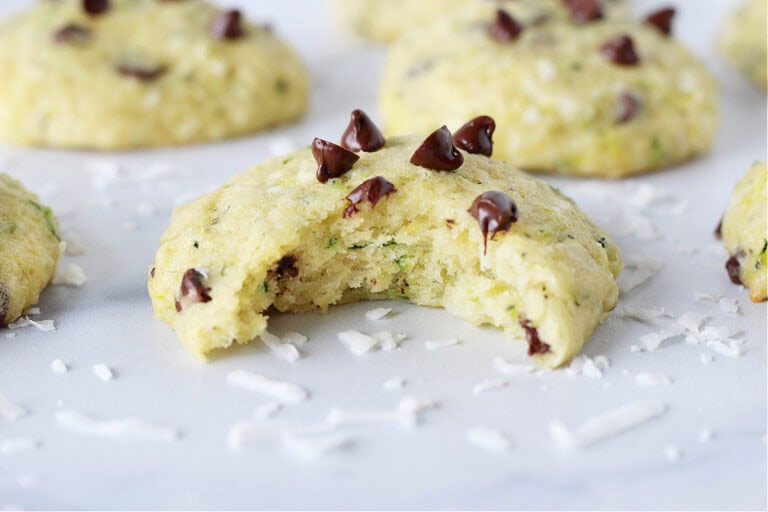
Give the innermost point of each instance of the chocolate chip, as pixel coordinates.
(72, 33)
(141, 72)
(361, 134)
(228, 25)
(662, 20)
(5, 303)
(95, 7)
(629, 106)
(621, 51)
(437, 152)
(505, 28)
(371, 190)
(286, 266)
(152, 272)
(719, 230)
(584, 11)
(476, 136)
(535, 345)
(494, 211)
(733, 267)
(193, 291)
(332, 160)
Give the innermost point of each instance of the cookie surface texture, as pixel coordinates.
(275, 236)
(142, 73)
(744, 39)
(569, 98)
(29, 248)
(745, 232)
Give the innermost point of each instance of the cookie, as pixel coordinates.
(605, 97)
(744, 230)
(432, 221)
(743, 40)
(113, 74)
(386, 20)
(29, 248)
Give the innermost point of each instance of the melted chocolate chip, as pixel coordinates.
(629, 106)
(719, 230)
(332, 160)
(141, 72)
(476, 136)
(662, 20)
(371, 190)
(361, 134)
(621, 51)
(584, 11)
(228, 25)
(733, 267)
(437, 152)
(286, 266)
(505, 28)
(72, 33)
(535, 345)
(95, 7)
(494, 212)
(193, 291)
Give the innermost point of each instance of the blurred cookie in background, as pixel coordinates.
(743, 40)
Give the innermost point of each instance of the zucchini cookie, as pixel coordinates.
(606, 97)
(743, 40)
(112, 74)
(29, 248)
(386, 20)
(745, 232)
(434, 221)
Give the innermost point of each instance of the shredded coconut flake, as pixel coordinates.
(488, 384)
(652, 379)
(488, 439)
(103, 372)
(59, 366)
(389, 340)
(315, 447)
(10, 410)
(731, 349)
(705, 297)
(378, 313)
(284, 392)
(284, 351)
(295, 338)
(729, 305)
(607, 424)
(357, 342)
(706, 435)
(72, 275)
(587, 366)
(507, 368)
(653, 341)
(673, 453)
(32, 311)
(118, 429)
(43, 325)
(438, 344)
(640, 271)
(407, 414)
(645, 315)
(394, 383)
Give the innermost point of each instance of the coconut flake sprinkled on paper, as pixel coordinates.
(653, 340)
(645, 315)
(488, 439)
(17, 444)
(608, 424)
(489, 384)
(705, 435)
(357, 342)
(588, 366)
(729, 305)
(407, 414)
(378, 313)
(282, 350)
(314, 447)
(389, 340)
(117, 429)
(394, 383)
(59, 366)
(637, 272)
(731, 349)
(32, 312)
(507, 368)
(438, 344)
(653, 379)
(283, 392)
(673, 453)
(103, 372)
(71, 275)
(10, 410)
(43, 325)
(294, 338)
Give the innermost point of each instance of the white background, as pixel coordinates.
(110, 321)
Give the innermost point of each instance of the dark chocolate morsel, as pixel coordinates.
(361, 134)
(286, 266)
(371, 190)
(494, 212)
(535, 345)
(141, 72)
(152, 272)
(228, 25)
(733, 267)
(662, 20)
(719, 230)
(505, 28)
(332, 160)
(476, 136)
(72, 33)
(584, 11)
(95, 7)
(193, 291)
(437, 152)
(629, 107)
(621, 51)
